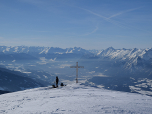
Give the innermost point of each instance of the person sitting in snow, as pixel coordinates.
(57, 81)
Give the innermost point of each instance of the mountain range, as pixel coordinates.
(118, 69)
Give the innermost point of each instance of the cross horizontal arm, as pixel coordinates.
(76, 67)
(80, 66)
(73, 67)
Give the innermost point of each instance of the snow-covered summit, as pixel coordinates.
(74, 99)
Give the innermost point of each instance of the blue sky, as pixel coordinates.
(90, 24)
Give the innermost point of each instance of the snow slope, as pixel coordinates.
(74, 99)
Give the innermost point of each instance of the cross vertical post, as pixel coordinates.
(76, 70)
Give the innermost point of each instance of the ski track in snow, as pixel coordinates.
(74, 99)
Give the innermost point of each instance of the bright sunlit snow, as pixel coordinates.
(74, 99)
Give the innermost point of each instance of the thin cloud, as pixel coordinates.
(40, 31)
(95, 14)
(108, 19)
(92, 31)
(34, 2)
(122, 12)
(103, 17)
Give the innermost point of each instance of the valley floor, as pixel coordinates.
(74, 99)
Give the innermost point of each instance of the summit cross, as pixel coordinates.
(76, 70)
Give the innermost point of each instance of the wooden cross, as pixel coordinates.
(76, 70)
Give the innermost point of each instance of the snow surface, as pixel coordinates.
(74, 99)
